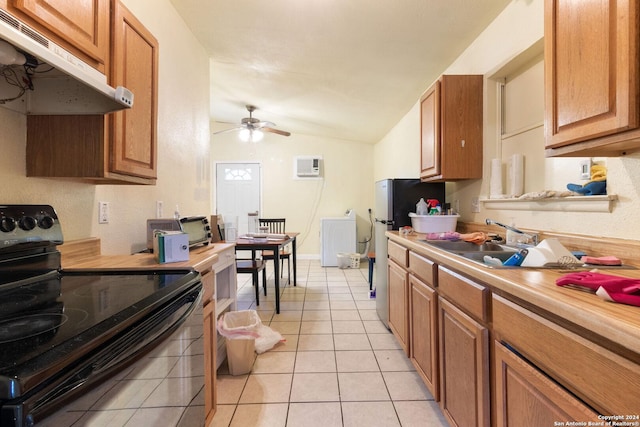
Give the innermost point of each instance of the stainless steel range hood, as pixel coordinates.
(62, 83)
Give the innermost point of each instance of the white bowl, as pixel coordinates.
(433, 223)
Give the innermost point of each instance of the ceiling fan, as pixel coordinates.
(251, 128)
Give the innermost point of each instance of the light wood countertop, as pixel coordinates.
(607, 323)
(200, 258)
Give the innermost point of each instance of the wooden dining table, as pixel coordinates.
(275, 244)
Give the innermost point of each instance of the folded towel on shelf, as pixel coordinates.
(545, 194)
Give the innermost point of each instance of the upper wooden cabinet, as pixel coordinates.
(135, 66)
(451, 129)
(80, 26)
(591, 77)
(120, 147)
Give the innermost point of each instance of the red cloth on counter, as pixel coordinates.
(608, 287)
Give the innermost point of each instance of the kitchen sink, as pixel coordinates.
(477, 253)
(462, 246)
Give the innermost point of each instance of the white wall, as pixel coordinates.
(183, 149)
(347, 179)
(518, 28)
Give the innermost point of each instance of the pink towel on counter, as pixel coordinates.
(610, 288)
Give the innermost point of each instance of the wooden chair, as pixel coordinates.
(253, 267)
(277, 226)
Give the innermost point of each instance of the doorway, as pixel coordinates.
(238, 191)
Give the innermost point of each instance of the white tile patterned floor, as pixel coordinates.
(339, 366)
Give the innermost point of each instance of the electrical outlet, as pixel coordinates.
(475, 205)
(585, 169)
(159, 209)
(103, 213)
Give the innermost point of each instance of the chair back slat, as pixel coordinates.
(276, 225)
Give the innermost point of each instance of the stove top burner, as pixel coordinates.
(32, 325)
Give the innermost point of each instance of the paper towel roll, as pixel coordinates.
(495, 184)
(516, 176)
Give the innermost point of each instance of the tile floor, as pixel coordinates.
(339, 366)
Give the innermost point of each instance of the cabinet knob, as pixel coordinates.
(462, 143)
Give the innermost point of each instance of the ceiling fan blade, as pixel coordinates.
(279, 132)
(261, 124)
(229, 130)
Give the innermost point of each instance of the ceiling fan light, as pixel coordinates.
(244, 135)
(257, 136)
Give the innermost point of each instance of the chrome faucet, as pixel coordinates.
(531, 237)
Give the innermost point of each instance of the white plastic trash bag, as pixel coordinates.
(267, 338)
(241, 324)
(246, 324)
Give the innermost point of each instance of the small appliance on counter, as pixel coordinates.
(170, 246)
(165, 224)
(197, 227)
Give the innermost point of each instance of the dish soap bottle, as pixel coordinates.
(422, 208)
(511, 237)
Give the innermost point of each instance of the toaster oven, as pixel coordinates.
(198, 229)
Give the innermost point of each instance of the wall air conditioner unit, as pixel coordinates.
(307, 166)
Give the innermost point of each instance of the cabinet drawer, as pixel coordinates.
(226, 258)
(423, 268)
(604, 380)
(466, 294)
(524, 396)
(399, 254)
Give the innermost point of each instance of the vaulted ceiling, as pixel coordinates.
(345, 69)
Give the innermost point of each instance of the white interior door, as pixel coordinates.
(238, 190)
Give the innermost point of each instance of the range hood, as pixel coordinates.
(61, 83)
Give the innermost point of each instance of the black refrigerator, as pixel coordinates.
(394, 199)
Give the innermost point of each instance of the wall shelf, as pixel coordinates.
(602, 203)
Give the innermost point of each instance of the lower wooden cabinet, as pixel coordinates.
(210, 365)
(398, 288)
(208, 277)
(524, 396)
(464, 368)
(423, 332)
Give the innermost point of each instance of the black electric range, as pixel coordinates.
(63, 331)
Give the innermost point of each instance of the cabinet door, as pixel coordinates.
(464, 368)
(591, 69)
(423, 331)
(398, 284)
(135, 66)
(430, 132)
(524, 396)
(210, 365)
(81, 26)
(451, 129)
